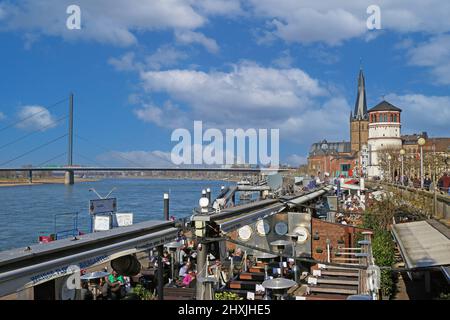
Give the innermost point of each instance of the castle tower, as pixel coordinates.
(359, 123)
(384, 133)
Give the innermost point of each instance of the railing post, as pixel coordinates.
(166, 207)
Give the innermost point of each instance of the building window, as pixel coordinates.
(345, 167)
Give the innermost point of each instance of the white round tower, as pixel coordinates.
(384, 133)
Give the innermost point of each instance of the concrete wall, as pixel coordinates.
(423, 200)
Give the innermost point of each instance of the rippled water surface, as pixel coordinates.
(29, 211)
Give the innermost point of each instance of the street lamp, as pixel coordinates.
(421, 142)
(294, 238)
(402, 154)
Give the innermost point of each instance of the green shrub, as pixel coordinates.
(227, 296)
(143, 293)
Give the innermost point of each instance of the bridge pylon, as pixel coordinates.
(69, 177)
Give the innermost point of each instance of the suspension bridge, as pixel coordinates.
(70, 169)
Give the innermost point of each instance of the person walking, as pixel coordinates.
(427, 182)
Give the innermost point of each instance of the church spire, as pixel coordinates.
(361, 104)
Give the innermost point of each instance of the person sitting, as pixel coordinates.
(184, 270)
(237, 256)
(85, 293)
(187, 279)
(116, 284)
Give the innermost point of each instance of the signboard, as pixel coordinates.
(332, 203)
(123, 219)
(102, 223)
(102, 205)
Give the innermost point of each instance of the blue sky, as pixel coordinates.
(140, 69)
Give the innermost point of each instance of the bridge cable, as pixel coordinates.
(108, 150)
(33, 115)
(56, 157)
(33, 132)
(89, 160)
(34, 149)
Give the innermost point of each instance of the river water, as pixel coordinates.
(29, 211)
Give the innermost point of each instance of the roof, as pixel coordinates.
(422, 244)
(385, 106)
(325, 147)
(361, 104)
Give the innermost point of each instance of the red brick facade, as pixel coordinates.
(340, 235)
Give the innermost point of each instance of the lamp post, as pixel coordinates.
(421, 142)
(402, 154)
(294, 238)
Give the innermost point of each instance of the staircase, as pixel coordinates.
(333, 283)
(247, 281)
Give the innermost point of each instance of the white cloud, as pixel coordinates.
(106, 21)
(34, 118)
(165, 56)
(333, 22)
(169, 116)
(227, 97)
(423, 113)
(296, 160)
(285, 60)
(435, 54)
(124, 63)
(136, 158)
(219, 7)
(189, 37)
(251, 96)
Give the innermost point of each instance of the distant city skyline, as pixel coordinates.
(139, 74)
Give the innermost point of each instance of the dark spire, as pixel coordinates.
(361, 104)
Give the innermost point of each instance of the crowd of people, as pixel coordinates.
(111, 287)
(443, 183)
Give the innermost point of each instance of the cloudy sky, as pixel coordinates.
(141, 68)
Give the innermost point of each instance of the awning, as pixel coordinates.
(422, 245)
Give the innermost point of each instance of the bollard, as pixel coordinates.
(166, 207)
(208, 195)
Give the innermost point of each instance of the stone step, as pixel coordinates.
(245, 285)
(334, 289)
(338, 281)
(328, 267)
(344, 259)
(256, 276)
(325, 296)
(340, 273)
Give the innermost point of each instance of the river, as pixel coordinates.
(29, 211)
